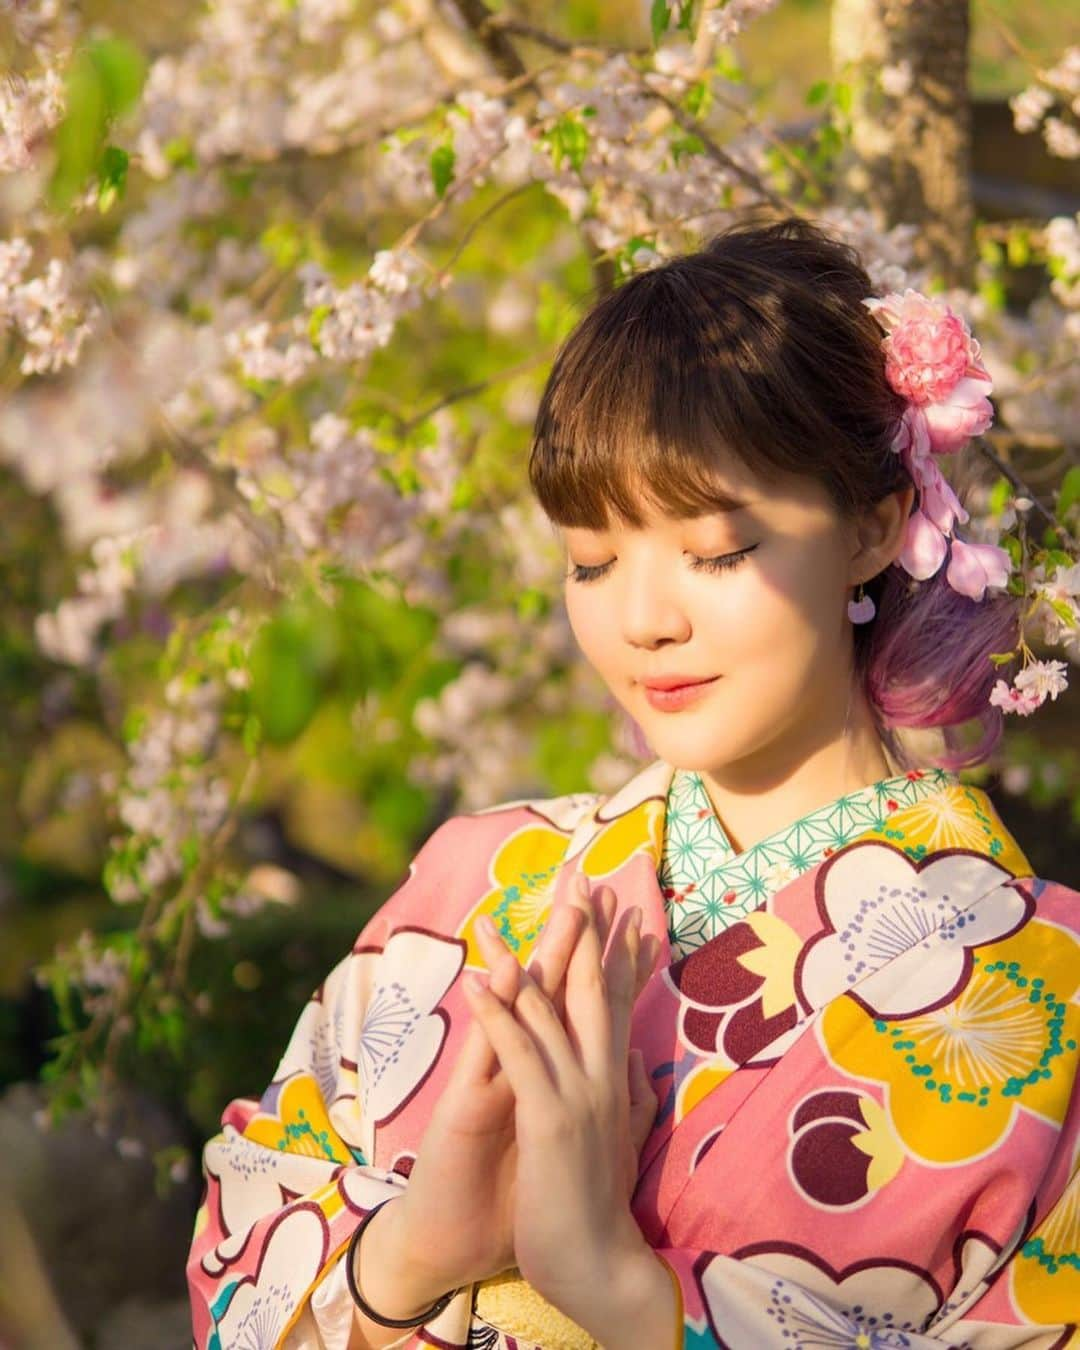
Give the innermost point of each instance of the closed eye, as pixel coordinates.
(721, 563)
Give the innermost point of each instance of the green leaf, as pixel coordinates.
(104, 80)
(1002, 658)
(318, 317)
(180, 153)
(1018, 248)
(121, 69)
(442, 168)
(284, 244)
(999, 495)
(697, 98)
(251, 734)
(532, 603)
(569, 139)
(1069, 492)
(727, 66)
(842, 97)
(189, 853)
(79, 135)
(817, 93)
(659, 19)
(112, 177)
(290, 660)
(686, 145)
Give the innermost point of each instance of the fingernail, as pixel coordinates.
(582, 883)
(635, 918)
(487, 924)
(473, 985)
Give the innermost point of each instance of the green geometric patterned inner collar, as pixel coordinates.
(707, 886)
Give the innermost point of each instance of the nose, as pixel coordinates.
(652, 613)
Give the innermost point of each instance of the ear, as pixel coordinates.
(879, 534)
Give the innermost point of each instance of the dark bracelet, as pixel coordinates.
(358, 1298)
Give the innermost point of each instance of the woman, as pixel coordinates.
(827, 1096)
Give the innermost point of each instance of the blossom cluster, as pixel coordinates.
(932, 360)
(1030, 689)
(1057, 89)
(171, 793)
(30, 106)
(42, 309)
(254, 414)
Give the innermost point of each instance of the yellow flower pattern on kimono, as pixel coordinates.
(954, 817)
(641, 829)
(956, 1076)
(522, 871)
(1045, 1281)
(300, 1123)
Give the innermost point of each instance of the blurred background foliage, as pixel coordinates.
(337, 670)
(334, 804)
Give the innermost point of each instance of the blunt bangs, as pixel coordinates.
(729, 355)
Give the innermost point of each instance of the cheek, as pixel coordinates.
(591, 623)
(786, 613)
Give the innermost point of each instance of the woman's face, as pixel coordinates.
(771, 624)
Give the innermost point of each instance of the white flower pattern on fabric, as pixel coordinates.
(873, 1308)
(415, 970)
(258, 1310)
(387, 1027)
(250, 1179)
(886, 913)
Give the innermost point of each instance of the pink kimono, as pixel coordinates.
(868, 1132)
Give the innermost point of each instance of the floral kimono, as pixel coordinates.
(862, 1034)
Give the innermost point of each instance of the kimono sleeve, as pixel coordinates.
(290, 1176)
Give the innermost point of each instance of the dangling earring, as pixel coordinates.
(862, 609)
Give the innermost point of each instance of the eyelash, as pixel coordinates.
(721, 563)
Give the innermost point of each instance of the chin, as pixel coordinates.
(692, 749)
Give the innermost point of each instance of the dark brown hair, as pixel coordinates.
(758, 347)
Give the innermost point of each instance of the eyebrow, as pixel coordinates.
(721, 505)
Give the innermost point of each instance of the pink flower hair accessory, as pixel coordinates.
(932, 360)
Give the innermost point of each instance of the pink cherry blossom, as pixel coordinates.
(973, 567)
(965, 412)
(937, 500)
(924, 547)
(1045, 679)
(1010, 699)
(928, 348)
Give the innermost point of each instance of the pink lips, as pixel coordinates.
(670, 700)
(676, 681)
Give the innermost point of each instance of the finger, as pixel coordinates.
(477, 1061)
(621, 970)
(647, 958)
(537, 1013)
(643, 1101)
(588, 1017)
(518, 1054)
(599, 901)
(550, 956)
(554, 950)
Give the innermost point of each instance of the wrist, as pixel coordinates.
(386, 1270)
(641, 1309)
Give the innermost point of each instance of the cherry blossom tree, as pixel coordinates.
(277, 303)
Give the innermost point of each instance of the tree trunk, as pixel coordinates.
(907, 64)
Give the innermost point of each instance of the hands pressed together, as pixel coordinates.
(531, 1155)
